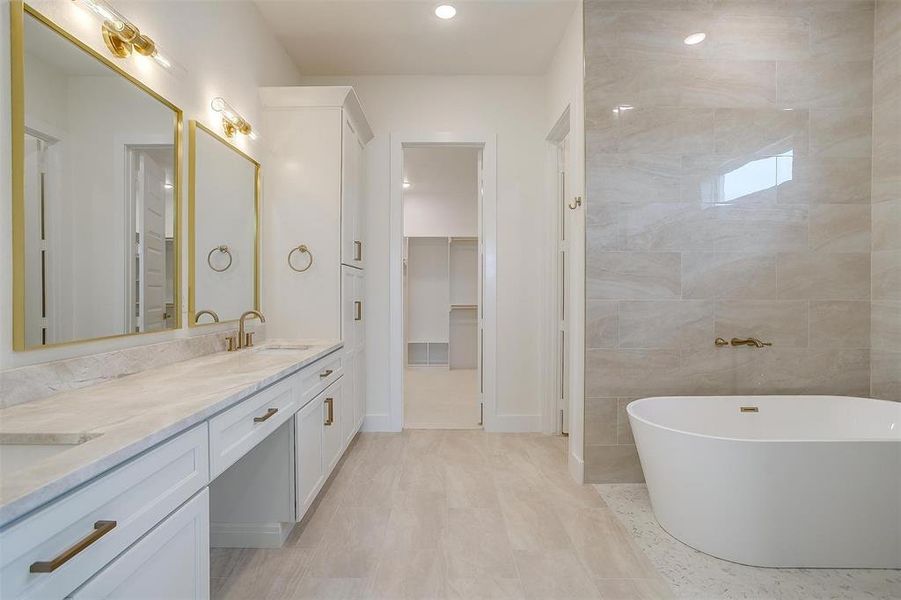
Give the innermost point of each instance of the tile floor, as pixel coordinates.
(448, 514)
(438, 398)
(693, 574)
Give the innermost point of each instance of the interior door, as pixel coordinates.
(562, 288)
(35, 240)
(152, 243)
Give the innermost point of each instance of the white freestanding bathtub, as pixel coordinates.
(776, 481)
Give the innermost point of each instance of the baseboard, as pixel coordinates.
(377, 423)
(576, 468)
(249, 535)
(515, 424)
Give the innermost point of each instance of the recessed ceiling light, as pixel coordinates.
(695, 38)
(445, 11)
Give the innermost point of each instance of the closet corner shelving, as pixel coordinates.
(442, 301)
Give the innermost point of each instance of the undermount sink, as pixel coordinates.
(21, 451)
(282, 348)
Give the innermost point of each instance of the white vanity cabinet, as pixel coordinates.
(172, 561)
(315, 196)
(54, 550)
(142, 529)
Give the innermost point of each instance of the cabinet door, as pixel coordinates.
(348, 307)
(172, 561)
(308, 426)
(348, 418)
(359, 309)
(332, 435)
(359, 395)
(351, 224)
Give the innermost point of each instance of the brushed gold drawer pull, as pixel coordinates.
(330, 402)
(325, 373)
(358, 250)
(749, 409)
(101, 528)
(358, 310)
(268, 414)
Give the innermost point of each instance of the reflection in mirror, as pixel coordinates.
(223, 228)
(98, 198)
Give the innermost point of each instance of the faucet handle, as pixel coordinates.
(231, 342)
(720, 342)
(248, 339)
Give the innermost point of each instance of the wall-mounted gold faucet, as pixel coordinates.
(752, 341)
(245, 339)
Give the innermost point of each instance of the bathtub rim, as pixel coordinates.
(631, 414)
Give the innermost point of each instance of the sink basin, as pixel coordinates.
(21, 451)
(282, 348)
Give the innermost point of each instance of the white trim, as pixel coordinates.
(488, 234)
(576, 467)
(550, 348)
(378, 422)
(516, 423)
(249, 535)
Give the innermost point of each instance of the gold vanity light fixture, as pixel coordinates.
(122, 36)
(232, 121)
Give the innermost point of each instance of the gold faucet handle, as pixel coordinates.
(231, 343)
(720, 342)
(248, 339)
(759, 343)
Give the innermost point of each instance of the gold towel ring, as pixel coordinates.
(303, 250)
(222, 248)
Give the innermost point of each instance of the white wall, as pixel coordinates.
(565, 89)
(226, 50)
(443, 197)
(513, 108)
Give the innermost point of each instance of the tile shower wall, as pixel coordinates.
(728, 194)
(885, 357)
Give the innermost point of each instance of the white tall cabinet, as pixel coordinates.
(314, 196)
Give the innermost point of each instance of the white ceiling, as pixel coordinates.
(404, 37)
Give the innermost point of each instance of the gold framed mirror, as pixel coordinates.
(96, 172)
(223, 229)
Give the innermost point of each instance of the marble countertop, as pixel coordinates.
(123, 417)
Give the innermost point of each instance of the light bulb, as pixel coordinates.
(445, 11)
(695, 38)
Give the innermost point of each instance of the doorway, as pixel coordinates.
(442, 281)
(150, 260)
(442, 286)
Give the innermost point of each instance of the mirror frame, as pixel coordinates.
(17, 11)
(193, 126)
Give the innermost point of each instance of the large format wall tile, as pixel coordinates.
(824, 180)
(822, 276)
(665, 323)
(738, 188)
(633, 275)
(781, 322)
(840, 324)
(840, 228)
(728, 275)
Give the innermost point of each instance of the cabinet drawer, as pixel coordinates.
(97, 521)
(319, 375)
(172, 561)
(234, 432)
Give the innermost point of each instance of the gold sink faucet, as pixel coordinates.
(245, 339)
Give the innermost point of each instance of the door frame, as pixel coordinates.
(488, 242)
(569, 125)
